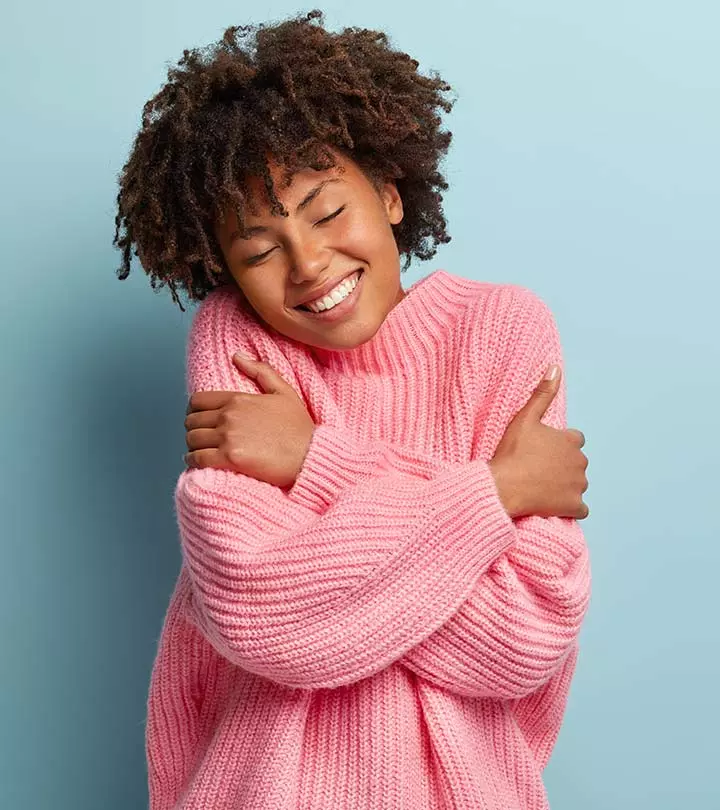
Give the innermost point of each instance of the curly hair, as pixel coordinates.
(294, 92)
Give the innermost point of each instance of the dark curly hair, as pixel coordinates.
(295, 92)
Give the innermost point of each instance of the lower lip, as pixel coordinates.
(339, 311)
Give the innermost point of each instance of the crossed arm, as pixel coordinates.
(379, 555)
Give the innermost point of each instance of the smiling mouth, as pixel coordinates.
(305, 308)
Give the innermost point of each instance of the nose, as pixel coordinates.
(308, 259)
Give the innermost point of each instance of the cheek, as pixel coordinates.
(366, 234)
(263, 290)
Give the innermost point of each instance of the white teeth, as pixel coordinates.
(340, 293)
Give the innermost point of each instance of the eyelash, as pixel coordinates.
(261, 256)
(331, 216)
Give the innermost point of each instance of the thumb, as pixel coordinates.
(264, 374)
(543, 394)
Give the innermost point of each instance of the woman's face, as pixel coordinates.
(338, 222)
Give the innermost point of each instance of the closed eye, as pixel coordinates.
(331, 216)
(259, 257)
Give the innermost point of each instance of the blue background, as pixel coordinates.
(584, 165)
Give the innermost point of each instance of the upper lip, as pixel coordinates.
(324, 289)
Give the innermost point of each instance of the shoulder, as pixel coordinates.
(223, 314)
(222, 324)
(508, 338)
(502, 320)
(501, 303)
(495, 301)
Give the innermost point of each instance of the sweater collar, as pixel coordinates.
(410, 333)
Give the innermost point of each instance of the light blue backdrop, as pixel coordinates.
(585, 166)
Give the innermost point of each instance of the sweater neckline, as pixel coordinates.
(410, 332)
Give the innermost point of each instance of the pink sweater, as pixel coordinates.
(381, 635)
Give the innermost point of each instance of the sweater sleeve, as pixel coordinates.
(375, 555)
(523, 615)
(520, 625)
(172, 729)
(319, 601)
(322, 599)
(522, 619)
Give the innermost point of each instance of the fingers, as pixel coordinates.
(270, 380)
(208, 400)
(202, 439)
(543, 395)
(200, 427)
(202, 419)
(578, 434)
(210, 457)
(582, 512)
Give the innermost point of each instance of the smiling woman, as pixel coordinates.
(335, 227)
(303, 102)
(358, 621)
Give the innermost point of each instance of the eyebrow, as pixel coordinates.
(247, 233)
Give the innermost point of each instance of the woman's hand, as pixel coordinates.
(265, 436)
(540, 470)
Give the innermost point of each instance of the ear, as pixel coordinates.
(390, 196)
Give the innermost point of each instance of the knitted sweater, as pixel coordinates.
(381, 635)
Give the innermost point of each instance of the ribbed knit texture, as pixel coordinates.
(381, 635)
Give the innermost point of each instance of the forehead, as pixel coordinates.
(256, 211)
(289, 191)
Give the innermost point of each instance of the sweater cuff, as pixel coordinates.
(334, 461)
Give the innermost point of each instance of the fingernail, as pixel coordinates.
(552, 372)
(241, 356)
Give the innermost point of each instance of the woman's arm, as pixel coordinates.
(523, 617)
(337, 607)
(519, 627)
(317, 601)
